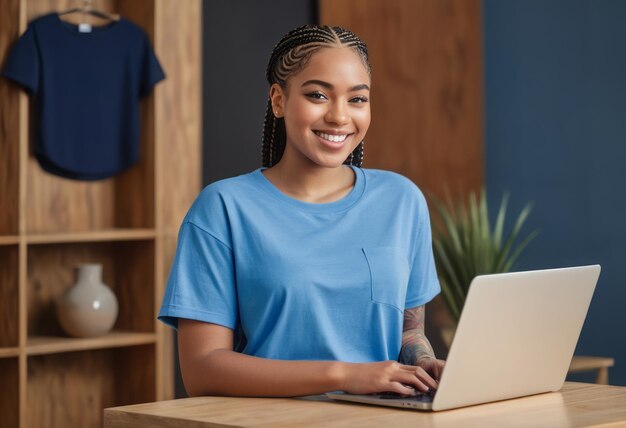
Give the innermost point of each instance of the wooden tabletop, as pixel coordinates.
(576, 405)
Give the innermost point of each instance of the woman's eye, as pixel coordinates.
(359, 100)
(316, 96)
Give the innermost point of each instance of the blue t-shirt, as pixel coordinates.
(86, 88)
(305, 281)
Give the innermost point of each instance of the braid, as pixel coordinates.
(290, 56)
(268, 135)
(356, 156)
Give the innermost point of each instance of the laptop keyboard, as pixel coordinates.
(420, 397)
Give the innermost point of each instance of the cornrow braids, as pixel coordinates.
(290, 56)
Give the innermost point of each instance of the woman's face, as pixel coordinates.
(325, 107)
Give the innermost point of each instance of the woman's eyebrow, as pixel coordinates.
(330, 86)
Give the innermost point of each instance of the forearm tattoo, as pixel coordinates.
(415, 345)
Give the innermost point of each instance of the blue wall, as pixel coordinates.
(555, 108)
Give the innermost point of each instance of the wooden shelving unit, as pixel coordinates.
(96, 236)
(128, 223)
(41, 345)
(8, 240)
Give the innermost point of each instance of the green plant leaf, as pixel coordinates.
(497, 232)
(452, 280)
(502, 260)
(513, 258)
(465, 245)
(449, 224)
(453, 305)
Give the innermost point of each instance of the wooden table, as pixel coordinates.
(576, 405)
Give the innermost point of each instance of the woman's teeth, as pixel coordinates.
(333, 138)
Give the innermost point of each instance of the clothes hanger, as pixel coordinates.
(88, 9)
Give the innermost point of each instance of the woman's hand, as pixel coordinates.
(432, 366)
(386, 376)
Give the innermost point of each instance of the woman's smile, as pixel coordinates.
(333, 139)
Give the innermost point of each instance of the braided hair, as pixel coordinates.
(290, 56)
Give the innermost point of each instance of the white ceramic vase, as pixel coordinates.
(89, 308)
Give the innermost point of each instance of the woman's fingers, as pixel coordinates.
(401, 388)
(412, 379)
(436, 372)
(409, 379)
(422, 375)
(367, 378)
(426, 378)
(406, 367)
(433, 366)
(438, 369)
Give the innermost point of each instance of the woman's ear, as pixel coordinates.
(277, 96)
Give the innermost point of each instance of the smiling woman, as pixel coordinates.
(309, 274)
(326, 113)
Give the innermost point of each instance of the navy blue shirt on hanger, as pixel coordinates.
(86, 87)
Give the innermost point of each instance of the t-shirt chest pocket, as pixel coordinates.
(389, 272)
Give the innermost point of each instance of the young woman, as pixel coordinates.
(309, 274)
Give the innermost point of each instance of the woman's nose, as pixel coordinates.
(337, 114)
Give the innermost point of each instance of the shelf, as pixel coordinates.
(9, 352)
(108, 235)
(39, 345)
(9, 240)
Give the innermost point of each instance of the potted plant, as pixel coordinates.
(466, 245)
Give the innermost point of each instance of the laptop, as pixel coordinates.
(516, 337)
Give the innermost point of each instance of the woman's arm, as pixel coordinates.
(416, 349)
(210, 367)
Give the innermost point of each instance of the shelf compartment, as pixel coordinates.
(107, 235)
(56, 205)
(127, 200)
(128, 269)
(9, 296)
(71, 390)
(39, 345)
(9, 387)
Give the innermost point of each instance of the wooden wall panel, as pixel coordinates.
(178, 127)
(9, 125)
(427, 102)
(134, 209)
(179, 116)
(427, 97)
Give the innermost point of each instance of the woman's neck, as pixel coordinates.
(309, 182)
